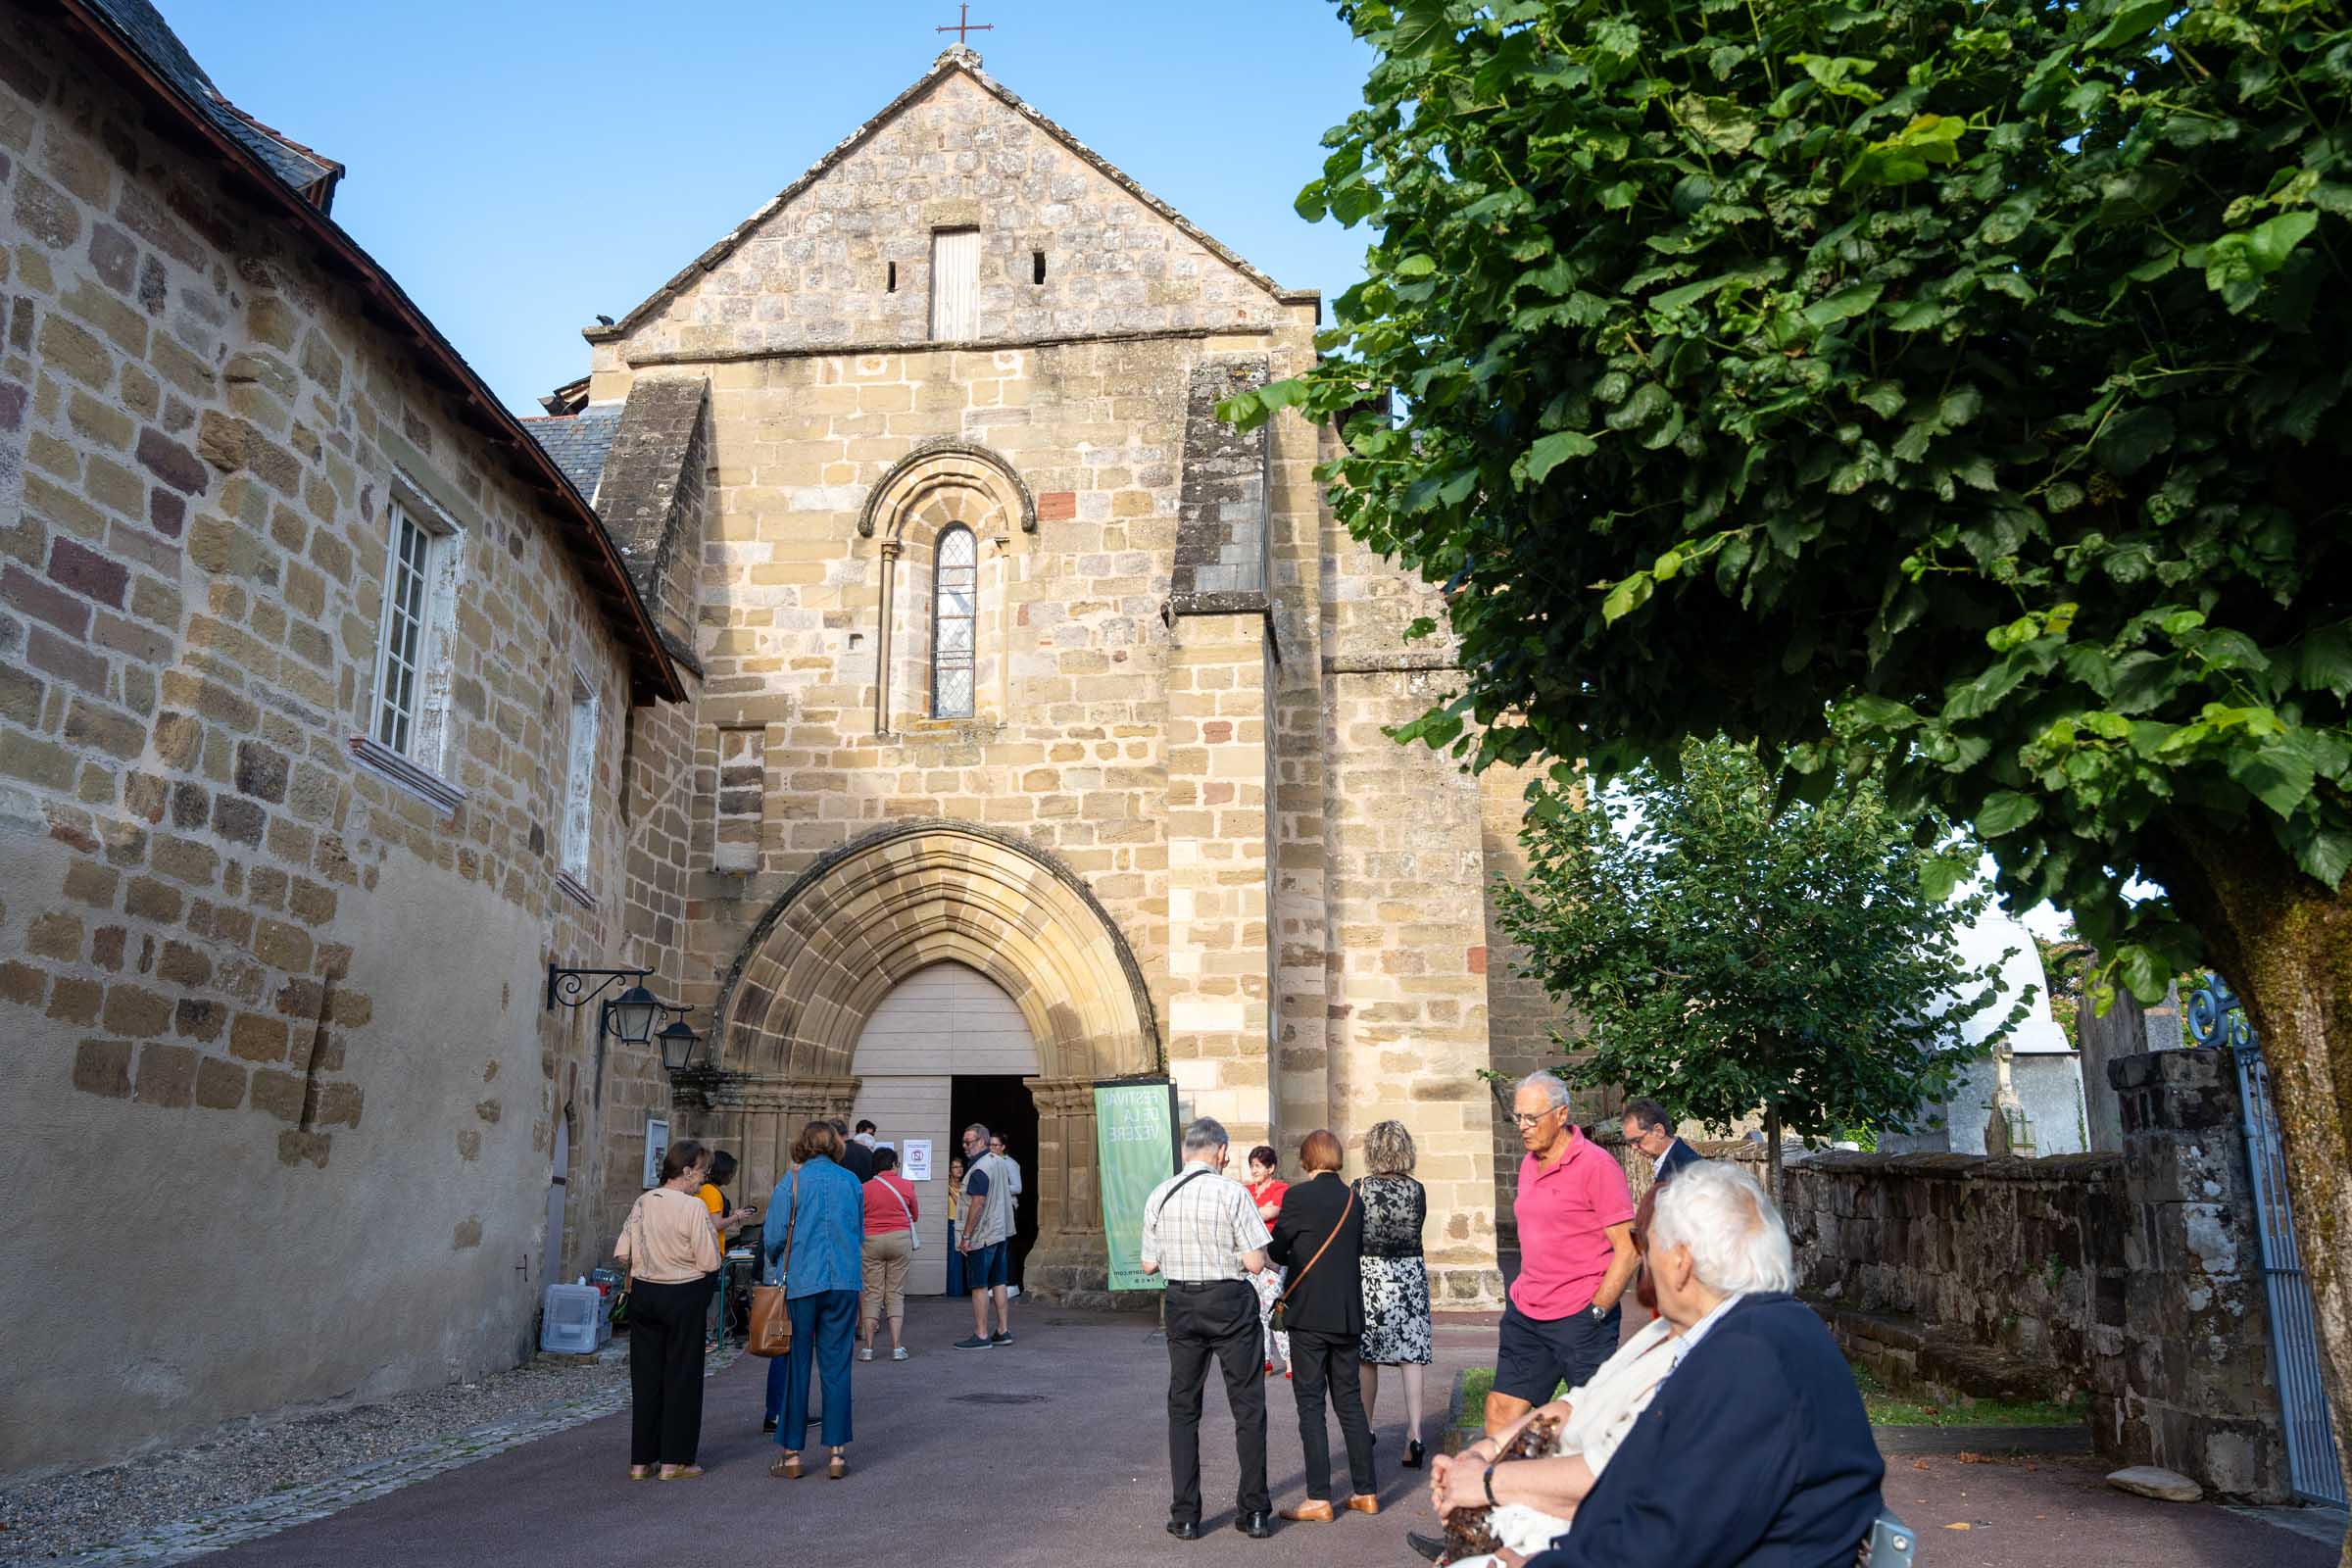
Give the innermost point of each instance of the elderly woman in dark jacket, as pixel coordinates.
(1318, 1239)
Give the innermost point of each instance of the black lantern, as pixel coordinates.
(678, 1042)
(631, 1014)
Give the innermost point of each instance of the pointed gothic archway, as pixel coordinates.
(869, 917)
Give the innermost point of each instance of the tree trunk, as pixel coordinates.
(1772, 1151)
(2285, 943)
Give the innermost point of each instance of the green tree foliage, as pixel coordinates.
(1975, 367)
(1727, 958)
(1969, 372)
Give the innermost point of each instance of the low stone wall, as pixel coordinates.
(2131, 1278)
(2023, 1258)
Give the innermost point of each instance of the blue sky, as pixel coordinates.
(521, 165)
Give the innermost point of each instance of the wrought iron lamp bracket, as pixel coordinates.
(570, 987)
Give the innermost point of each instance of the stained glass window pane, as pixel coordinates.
(954, 605)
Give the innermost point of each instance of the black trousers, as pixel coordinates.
(1327, 1361)
(1216, 1321)
(665, 1371)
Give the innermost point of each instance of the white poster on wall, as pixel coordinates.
(657, 1145)
(917, 1163)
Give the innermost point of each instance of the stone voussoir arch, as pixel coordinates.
(944, 464)
(921, 891)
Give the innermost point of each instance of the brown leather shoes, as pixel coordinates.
(1314, 1511)
(1363, 1502)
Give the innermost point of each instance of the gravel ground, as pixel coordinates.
(63, 1516)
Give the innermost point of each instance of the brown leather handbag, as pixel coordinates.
(770, 1329)
(1274, 1318)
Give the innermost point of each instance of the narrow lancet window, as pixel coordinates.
(957, 580)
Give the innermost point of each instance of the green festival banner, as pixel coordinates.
(1135, 1147)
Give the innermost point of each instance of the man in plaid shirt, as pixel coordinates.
(1203, 1235)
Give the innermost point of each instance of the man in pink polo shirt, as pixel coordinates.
(1576, 1257)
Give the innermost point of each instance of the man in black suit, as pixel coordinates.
(1648, 1129)
(1756, 1451)
(1319, 1239)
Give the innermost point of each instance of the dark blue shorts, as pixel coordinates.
(1537, 1356)
(986, 1266)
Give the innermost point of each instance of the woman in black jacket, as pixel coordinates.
(1318, 1238)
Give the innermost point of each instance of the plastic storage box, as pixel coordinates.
(572, 1321)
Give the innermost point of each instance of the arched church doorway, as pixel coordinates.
(947, 1047)
(820, 965)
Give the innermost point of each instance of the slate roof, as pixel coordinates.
(310, 174)
(578, 442)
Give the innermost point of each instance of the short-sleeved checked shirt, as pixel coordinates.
(1198, 1234)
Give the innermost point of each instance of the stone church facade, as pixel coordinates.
(1014, 658)
(883, 647)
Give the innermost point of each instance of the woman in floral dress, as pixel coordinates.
(1397, 1330)
(1266, 1188)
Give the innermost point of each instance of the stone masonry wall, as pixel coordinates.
(2135, 1279)
(1408, 961)
(2022, 1256)
(819, 272)
(287, 1008)
(1093, 739)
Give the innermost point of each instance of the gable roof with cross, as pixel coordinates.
(956, 58)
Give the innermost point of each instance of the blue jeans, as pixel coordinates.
(824, 1327)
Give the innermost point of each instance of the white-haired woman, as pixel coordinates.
(1709, 1222)
(1395, 1279)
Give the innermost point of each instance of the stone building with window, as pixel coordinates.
(330, 716)
(1040, 735)
(883, 645)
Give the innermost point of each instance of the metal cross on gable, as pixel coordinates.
(963, 25)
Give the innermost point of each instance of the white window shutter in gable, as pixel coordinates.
(955, 284)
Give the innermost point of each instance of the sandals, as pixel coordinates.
(684, 1472)
(837, 1467)
(787, 1468)
(641, 1472)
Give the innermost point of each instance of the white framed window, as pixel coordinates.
(408, 717)
(955, 284)
(404, 639)
(954, 600)
(579, 781)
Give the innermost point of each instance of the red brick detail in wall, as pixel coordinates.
(1057, 506)
(1477, 960)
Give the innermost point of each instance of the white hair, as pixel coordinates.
(1547, 1084)
(1203, 1134)
(1737, 1237)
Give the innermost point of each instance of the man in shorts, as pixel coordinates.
(985, 1239)
(1576, 1250)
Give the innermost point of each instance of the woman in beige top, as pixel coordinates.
(670, 1251)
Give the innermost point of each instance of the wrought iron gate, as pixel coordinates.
(2216, 1017)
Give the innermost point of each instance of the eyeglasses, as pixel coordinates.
(1525, 1120)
